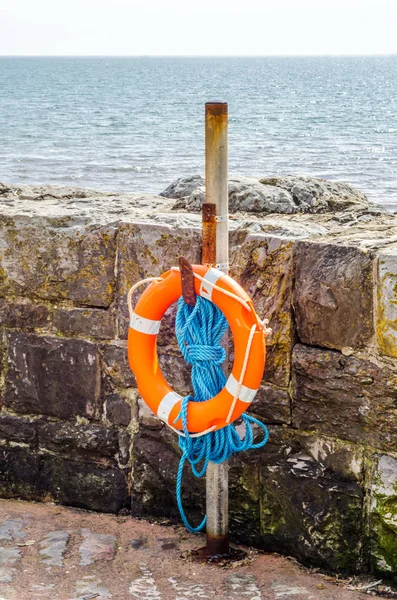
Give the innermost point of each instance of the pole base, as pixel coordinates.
(203, 555)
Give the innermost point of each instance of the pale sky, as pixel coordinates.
(197, 27)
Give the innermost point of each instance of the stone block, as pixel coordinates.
(96, 546)
(84, 484)
(272, 405)
(146, 418)
(156, 457)
(116, 370)
(19, 472)
(311, 499)
(117, 410)
(23, 315)
(176, 371)
(65, 438)
(88, 322)
(333, 295)
(18, 429)
(56, 259)
(245, 498)
(147, 250)
(124, 454)
(345, 396)
(52, 376)
(53, 548)
(263, 266)
(386, 318)
(383, 517)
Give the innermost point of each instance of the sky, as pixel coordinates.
(197, 27)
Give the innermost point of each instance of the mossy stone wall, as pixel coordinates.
(73, 428)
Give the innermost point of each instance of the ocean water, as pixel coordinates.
(136, 124)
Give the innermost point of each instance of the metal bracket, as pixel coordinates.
(187, 279)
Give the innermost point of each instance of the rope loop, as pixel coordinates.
(199, 331)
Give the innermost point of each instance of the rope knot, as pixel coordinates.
(204, 353)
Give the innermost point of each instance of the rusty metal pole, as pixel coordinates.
(216, 252)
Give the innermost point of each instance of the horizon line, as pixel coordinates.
(320, 55)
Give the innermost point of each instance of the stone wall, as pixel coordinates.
(74, 430)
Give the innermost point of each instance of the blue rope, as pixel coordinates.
(199, 331)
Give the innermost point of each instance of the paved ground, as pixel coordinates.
(55, 553)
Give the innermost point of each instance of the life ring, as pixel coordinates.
(246, 328)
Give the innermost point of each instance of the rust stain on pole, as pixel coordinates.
(209, 234)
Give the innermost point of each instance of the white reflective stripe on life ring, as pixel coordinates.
(144, 325)
(167, 404)
(212, 276)
(246, 394)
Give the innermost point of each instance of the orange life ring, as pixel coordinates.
(245, 326)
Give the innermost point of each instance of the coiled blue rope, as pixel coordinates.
(199, 331)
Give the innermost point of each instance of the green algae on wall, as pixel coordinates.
(383, 517)
(386, 323)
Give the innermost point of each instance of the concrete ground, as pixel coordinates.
(55, 553)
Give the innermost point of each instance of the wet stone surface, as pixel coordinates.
(54, 546)
(69, 554)
(8, 556)
(13, 529)
(91, 587)
(96, 546)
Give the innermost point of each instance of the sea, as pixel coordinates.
(135, 124)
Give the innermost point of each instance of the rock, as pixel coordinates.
(146, 417)
(83, 483)
(287, 195)
(282, 228)
(264, 267)
(183, 187)
(124, 448)
(18, 429)
(65, 438)
(24, 315)
(333, 295)
(19, 473)
(91, 587)
(246, 194)
(96, 546)
(320, 195)
(344, 396)
(116, 370)
(79, 481)
(386, 318)
(8, 556)
(156, 457)
(272, 405)
(52, 376)
(71, 207)
(149, 250)
(75, 262)
(383, 517)
(117, 410)
(12, 529)
(53, 547)
(44, 192)
(238, 585)
(88, 322)
(245, 496)
(311, 490)
(176, 371)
